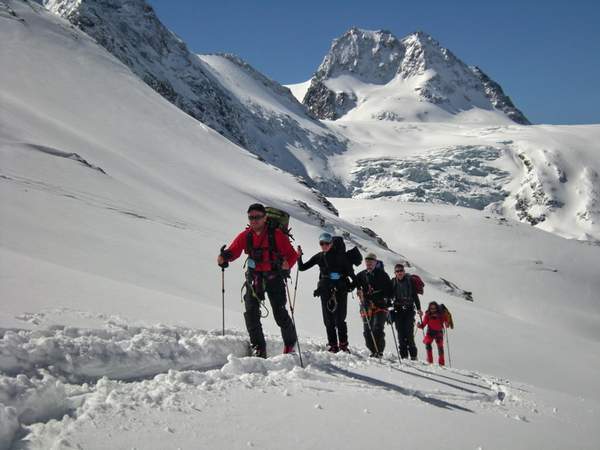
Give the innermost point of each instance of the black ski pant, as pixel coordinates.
(334, 306)
(374, 323)
(405, 325)
(274, 286)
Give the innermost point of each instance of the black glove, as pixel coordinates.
(226, 254)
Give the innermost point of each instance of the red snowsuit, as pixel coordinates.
(264, 276)
(435, 332)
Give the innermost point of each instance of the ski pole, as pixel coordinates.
(448, 346)
(366, 320)
(287, 289)
(396, 342)
(223, 296)
(293, 304)
(223, 266)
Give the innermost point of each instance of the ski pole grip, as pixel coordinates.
(224, 254)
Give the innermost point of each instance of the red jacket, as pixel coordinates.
(284, 247)
(435, 323)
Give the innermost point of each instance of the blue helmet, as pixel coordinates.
(325, 237)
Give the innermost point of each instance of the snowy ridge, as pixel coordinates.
(291, 129)
(131, 31)
(412, 79)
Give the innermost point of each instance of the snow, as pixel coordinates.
(543, 174)
(273, 402)
(299, 89)
(115, 203)
(269, 100)
(412, 79)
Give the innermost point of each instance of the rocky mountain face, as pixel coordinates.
(378, 58)
(132, 32)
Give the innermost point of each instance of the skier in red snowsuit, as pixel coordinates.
(270, 258)
(436, 321)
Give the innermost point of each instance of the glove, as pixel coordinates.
(226, 255)
(286, 273)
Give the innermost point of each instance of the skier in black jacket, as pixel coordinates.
(405, 300)
(374, 290)
(333, 287)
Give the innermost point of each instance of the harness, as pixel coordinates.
(255, 254)
(370, 309)
(256, 281)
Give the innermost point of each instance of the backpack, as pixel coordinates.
(417, 283)
(447, 315)
(337, 245)
(339, 248)
(354, 256)
(276, 218)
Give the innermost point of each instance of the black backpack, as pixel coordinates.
(337, 245)
(354, 256)
(339, 248)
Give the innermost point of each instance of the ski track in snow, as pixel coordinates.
(55, 379)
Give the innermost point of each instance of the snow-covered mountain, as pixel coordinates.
(374, 75)
(423, 126)
(114, 203)
(287, 136)
(371, 75)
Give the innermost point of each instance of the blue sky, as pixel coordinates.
(545, 54)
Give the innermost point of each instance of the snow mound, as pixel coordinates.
(40, 410)
(117, 351)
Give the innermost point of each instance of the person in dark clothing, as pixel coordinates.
(267, 268)
(334, 271)
(405, 299)
(374, 290)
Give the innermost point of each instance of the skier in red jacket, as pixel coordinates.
(436, 321)
(270, 257)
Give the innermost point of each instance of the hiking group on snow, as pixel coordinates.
(381, 299)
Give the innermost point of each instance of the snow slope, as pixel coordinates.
(276, 104)
(114, 204)
(286, 136)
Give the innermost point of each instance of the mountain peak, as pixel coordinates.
(433, 75)
(369, 55)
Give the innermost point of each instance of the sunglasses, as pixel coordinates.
(322, 243)
(254, 218)
(399, 270)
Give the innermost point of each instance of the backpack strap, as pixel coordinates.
(249, 243)
(276, 259)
